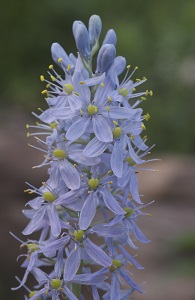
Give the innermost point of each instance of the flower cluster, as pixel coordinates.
(86, 212)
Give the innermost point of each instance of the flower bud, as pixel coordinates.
(105, 58)
(110, 38)
(81, 36)
(95, 27)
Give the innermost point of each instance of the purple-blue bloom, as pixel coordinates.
(86, 212)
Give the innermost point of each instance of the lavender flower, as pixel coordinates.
(93, 149)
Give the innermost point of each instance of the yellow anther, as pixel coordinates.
(115, 122)
(144, 78)
(102, 84)
(53, 125)
(143, 126)
(56, 283)
(60, 59)
(128, 67)
(68, 88)
(128, 211)
(32, 293)
(50, 67)
(146, 93)
(130, 161)
(69, 67)
(75, 165)
(78, 234)
(116, 132)
(82, 82)
(52, 78)
(27, 126)
(77, 94)
(109, 99)
(42, 78)
(115, 265)
(93, 183)
(92, 109)
(132, 137)
(133, 89)
(49, 197)
(28, 134)
(151, 93)
(136, 67)
(48, 85)
(123, 92)
(107, 108)
(110, 182)
(81, 112)
(147, 116)
(59, 153)
(143, 98)
(44, 92)
(138, 80)
(32, 247)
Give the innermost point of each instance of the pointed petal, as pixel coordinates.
(134, 188)
(117, 159)
(111, 202)
(72, 264)
(138, 233)
(118, 112)
(97, 254)
(74, 102)
(101, 129)
(77, 128)
(94, 148)
(70, 175)
(35, 222)
(115, 287)
(63, 113)
(81, 159)
(54, 220)
(88, 211)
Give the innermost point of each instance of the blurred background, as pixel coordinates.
(159, 38)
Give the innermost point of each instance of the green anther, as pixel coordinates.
(115, 264)
(116, 132)
(32, 247)
(128, 211)
(92, 109)
(68, 88)
(93, 183)
(123, 92)
(78, 234)
(32, 293)
(130, 161)
(56, 283)
(59, 153)
(49, 197)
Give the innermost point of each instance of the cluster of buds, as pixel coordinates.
(86, 213)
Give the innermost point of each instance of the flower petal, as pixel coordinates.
(94, 148)
(72, 264)
(97, 254)
(117, 160)
(77, 128)
(111, 202)
(70, 175)
(101, 129)
(88, 211)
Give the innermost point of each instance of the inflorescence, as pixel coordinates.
(86, 212)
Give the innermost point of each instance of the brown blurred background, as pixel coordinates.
(159, 38)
